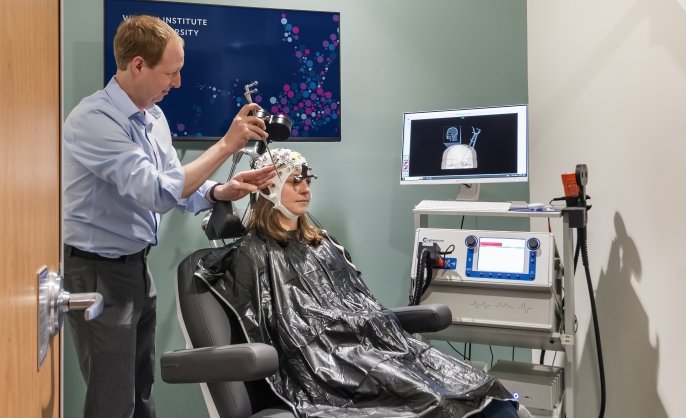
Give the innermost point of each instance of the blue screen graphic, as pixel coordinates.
(294, 56)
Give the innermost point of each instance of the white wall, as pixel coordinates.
(607, 87)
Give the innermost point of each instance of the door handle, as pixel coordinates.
(54, 301)
(61, 301)
(90, 303)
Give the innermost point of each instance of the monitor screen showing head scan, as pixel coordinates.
(482, 145)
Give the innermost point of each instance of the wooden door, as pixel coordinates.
(30, 200)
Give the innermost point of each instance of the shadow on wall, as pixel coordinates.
(663, 18)
(631, 360)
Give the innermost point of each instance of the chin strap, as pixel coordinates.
(278, 206)
(285, 212)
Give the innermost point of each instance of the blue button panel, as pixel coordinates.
(449, 264)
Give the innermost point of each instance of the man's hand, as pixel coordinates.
(244, 127)
(245, 182)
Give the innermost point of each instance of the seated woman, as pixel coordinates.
(341, 352)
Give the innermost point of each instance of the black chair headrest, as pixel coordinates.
(223, 224)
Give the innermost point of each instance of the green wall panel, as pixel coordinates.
(397, 56)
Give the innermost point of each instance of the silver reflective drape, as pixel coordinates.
(341, 352)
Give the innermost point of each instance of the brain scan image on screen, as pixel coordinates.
(458, 155)
(441, 146)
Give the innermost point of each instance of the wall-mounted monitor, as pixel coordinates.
(293, 54)
(465, 146)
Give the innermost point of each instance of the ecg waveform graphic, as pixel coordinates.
(500, 305)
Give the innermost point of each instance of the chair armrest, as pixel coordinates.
(424, 318)
(236, 362)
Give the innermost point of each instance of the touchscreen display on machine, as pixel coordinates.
(505, 255)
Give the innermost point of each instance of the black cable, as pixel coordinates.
(490, 347)
(419, 281)
(448, 251)
(582, 249)
(577, 250)
(429, 273)
(464, 357)
(426, 260)
(583, 246)
(314, 220)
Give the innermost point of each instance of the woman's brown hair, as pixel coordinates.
(264, 220)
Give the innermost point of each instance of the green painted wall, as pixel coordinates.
(397, 56)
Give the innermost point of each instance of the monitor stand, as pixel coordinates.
(468, 191)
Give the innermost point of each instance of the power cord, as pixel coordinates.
(582, 249)
(429, 258)
(582, 246)
(422, 278)
(462, 354)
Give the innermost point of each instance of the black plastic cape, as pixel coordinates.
(341, 352)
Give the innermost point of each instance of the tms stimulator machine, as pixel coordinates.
(490, 278)
(512, 288)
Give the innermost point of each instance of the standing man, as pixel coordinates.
(120, 172)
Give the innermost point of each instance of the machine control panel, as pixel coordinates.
(491, 278)
(501, 258)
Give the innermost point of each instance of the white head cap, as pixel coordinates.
(286, 162)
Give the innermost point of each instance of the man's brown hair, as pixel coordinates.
(144, 36)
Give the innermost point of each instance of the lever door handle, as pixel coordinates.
(60, 301)
(54, 301)
(90, 303)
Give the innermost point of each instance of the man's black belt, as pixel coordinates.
(75, 252)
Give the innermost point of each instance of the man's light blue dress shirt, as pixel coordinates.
(120, 171)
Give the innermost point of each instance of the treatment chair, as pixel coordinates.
(232, 372)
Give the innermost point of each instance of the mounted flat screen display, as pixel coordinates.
(294, 55)
(479, 145)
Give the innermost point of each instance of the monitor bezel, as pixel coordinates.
(521, 110)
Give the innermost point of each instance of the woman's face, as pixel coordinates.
(296, 195)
